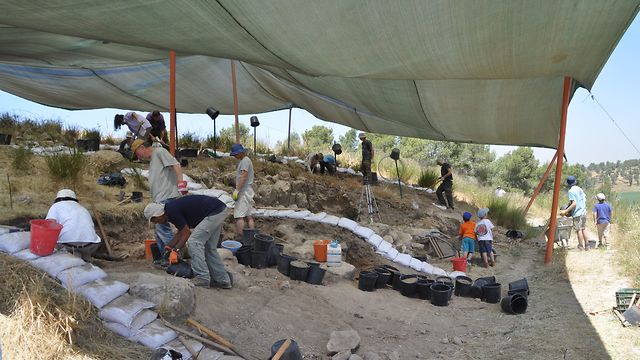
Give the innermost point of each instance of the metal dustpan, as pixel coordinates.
(632, 315)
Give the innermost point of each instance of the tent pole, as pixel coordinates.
(235, 99)
(289, 133)
(172, 102)
(544, 178)
(558, 180)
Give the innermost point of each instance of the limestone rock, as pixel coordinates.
(342, 355)
(226, 255)
(388, 239)
(336, 273)
(457, 340)
(355, 357)
(343, 340)
(304, 251)
(394, 355)
(371, 356)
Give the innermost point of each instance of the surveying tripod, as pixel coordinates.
(369, 196)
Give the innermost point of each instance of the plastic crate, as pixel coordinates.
(623, 297)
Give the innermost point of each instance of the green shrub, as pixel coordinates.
(110, 140)
(91, 134)
(427, 178)
(507, 215)
(66, 167)
(70, 135)
(8, 122)
(22, 159)
(189, 140)
(626, 238)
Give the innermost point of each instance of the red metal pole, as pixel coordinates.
(172, 102)
(235, 99)
(544, 177)
(558, 180)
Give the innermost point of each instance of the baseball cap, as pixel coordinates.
(483, 212)
(362, 135)
(466, 216)
(571, 180)
(152, 210)
(237, 149)
(600, 196)
(66, 193)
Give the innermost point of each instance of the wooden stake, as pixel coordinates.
(10, 193)
(212, 334)
(104, 235)
(199, 338)
(285, 345)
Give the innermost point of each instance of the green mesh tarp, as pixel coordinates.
(475, 71)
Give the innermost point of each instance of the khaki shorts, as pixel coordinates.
(603, 230)
(244, 204)
(580, 222)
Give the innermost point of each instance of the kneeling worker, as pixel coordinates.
(328, 162)
(205, 215)
(312, 162)
(78, 235)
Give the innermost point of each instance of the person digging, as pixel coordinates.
(199, 220)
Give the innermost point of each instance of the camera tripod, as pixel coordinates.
(372, 205)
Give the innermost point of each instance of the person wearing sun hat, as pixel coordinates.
(199, 220)
(78, 235)
(577, 209)
(467, 236)
(484, 234)
(602, 213)
(243, 193)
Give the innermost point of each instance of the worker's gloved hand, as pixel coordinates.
(182, 187)
(174, 257)
(235, 195)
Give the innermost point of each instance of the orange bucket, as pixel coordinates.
(320, 250)
(459, 264)
(147, 249)
(44, 236)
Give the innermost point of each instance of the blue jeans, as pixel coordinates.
(163, 232)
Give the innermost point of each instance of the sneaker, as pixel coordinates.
(226, 286)
(200, 282)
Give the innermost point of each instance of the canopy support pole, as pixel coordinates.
(172, 103)
(289, 133)
(544, 178)
(558, 179)
(235, 99)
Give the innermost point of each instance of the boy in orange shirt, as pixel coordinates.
(467, 235)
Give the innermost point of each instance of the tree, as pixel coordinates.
(318, 137)
(516, 169)
(349, 141)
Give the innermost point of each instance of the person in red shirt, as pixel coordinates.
(467, 235)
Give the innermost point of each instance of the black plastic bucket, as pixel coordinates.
(315, 274)
(244, 255)
(463, 286)
(262, 242)
(408, 285)
(391, 270)
(444, 280)
(5, 139)
(284, 262)
(275, 250)
(423, 288)
(522, 292)
(292, 352)
(492, 293)
(367, 281)
(514, 304)
(298, 270)
(521, 284)
(259, 259)
(395, 283)
(440, 294)
(383, 277)
(476, 288)
(247, 236)
(155, 252)
(136, 196)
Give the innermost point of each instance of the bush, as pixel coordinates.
(627, 241)
(507, 215)
(66, 167)
(189, 140)
(91, 134)
(110, 140)
(427, 178)
(22, 159)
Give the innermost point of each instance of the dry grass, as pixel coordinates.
(41, 320)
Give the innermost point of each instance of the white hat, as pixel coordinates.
(362, 135)
(152, 210)
(600, 196)
(66, 193)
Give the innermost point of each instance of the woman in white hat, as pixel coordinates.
(78, 235)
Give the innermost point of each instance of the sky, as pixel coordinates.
(591, 135)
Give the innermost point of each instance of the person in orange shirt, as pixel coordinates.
(467, 236)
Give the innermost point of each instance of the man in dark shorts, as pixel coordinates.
(199, 220)
(367, 157)
(446, 186)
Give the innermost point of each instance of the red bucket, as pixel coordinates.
(44, 236)
(459, 264)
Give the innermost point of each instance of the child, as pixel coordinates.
(467, 235)
(485, 237)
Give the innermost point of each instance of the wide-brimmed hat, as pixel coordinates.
(66, 193)
(600, 196)
(237, 149)
(136, 144)
(152, 210)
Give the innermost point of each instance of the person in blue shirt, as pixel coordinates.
(577, 209)
(328, 162)
(602, 212)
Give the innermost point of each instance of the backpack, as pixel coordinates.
(113, 179)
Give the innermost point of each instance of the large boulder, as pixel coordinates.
(345, 340)
(336, 273)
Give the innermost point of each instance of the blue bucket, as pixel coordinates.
(231, 245)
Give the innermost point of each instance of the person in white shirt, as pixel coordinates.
(500, 192)
(484, 234)
(78, 235)
(138, 124)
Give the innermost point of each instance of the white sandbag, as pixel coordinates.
(363, 232)
(438, 272)
(316, 217)
(330, 220)
(384, 246)
(426, 268)
(124, 309)
(75, 277)
(25, 255)
(131, 171)
(57, 262)
(347, 224)
(154, 335)
(177, 345)
(282, 213)
(375, 240)
(299, 214)
(403, 259)
(216, 193)
(392, 254)
(13, 242)
(101, 292)
(144, 318)
(269, 212)
(415, 264)
(258, 212)
(227, 200)
(118, 328)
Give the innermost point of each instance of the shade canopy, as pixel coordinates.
(484, 71)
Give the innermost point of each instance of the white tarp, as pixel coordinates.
(483, 71)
